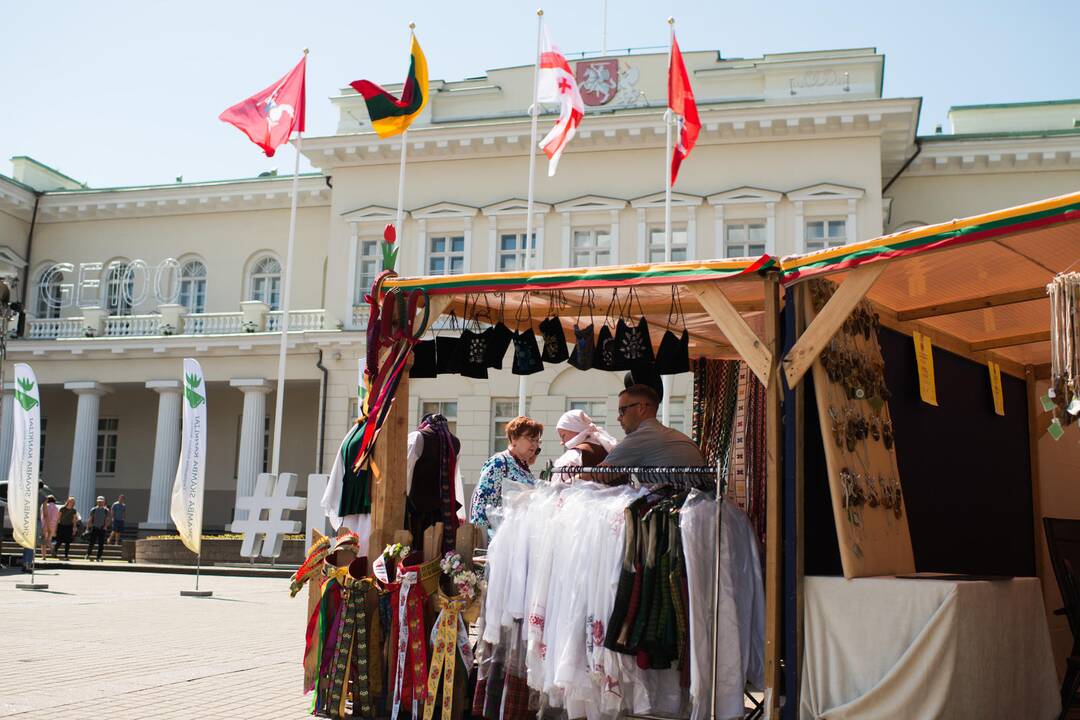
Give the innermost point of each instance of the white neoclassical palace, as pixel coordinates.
(797, 151)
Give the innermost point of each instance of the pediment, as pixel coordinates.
(826, 191)
(588, 203)
(514, 206)
(371, 213)
(745, 195)
(656, 200)
(443, 210)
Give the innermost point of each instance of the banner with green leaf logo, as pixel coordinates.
(24, 468)
(188, 488)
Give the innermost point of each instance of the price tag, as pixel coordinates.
(995, 387)
(1055, 429)
(924, 357)
(1047, 403)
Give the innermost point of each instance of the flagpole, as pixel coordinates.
(665, 406)
(279, 400)
(534, 112)
(400, 217)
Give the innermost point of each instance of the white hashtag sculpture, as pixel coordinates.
(274, 496)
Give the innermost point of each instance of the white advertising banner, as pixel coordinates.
(187, 494)
(25, 458)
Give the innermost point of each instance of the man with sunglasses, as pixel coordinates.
(647, 442)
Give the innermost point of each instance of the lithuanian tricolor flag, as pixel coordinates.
(392, 116)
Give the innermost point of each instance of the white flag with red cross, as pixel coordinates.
(556, 84)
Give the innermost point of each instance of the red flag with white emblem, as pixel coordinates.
(556, 84)
(270, 116)
(684, 107)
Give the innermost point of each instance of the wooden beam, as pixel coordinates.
(774, 532)
(948, 342)
(968, 304)
(1034, 433)
(829, 321)
(1042, 372)
(388, 471)
(802, 296)
(741, 336)
(1011, 340)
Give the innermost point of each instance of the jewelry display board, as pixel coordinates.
(860, 448)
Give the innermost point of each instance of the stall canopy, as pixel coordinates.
(566, 293)
(976, 286)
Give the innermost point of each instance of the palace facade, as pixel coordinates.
(798, 151)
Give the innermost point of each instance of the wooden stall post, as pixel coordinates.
(1034, 432)
(773, 519)
(388, 471)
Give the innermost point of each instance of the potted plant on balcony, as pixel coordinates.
(165, 328)
(249, 326)
(90, 331)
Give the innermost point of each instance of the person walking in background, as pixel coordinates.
(65, 526)
(50, 515)
(118, 514)
(98, 522)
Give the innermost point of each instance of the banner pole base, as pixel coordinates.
(31, 586)
(197, 592)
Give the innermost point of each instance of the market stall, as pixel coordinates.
(726, 310)
(975, 289)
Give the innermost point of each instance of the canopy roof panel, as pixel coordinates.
(976, 286)
(597, 295)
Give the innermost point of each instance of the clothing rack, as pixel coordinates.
(679, 476)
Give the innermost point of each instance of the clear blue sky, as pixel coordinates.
(124, 93)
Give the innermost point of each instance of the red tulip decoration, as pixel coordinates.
(389, 252)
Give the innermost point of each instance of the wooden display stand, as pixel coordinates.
(874, 538)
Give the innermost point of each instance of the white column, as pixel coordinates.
(7, 428)
(422, 244)
(166, 453)
(83, 485)
(538, 230)
(493, 241)
(770, 228)
(719, 239)
(852, 233)
(468, 246)
(642, 237)
(691, 232)
(800, 228)
(616, 256)
(566, 254)
(252, 427)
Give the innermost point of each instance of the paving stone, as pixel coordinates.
(129, 647)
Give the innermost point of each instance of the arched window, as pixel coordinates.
(48, 298)
(118, 289)
(193, 286)
(266, 281)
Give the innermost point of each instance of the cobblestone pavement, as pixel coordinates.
(122, 645)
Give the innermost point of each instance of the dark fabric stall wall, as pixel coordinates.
(965, 470)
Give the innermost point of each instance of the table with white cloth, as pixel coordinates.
(926, 648)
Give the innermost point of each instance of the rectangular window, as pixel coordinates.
(677, 414)
(446, 408)
(446, 255)
(503, 410)
(744, 239)
(594, 408)
(821, 234)
(108, 433)
(656, 244)
(591, 248)
(368, 264)
(511, 253)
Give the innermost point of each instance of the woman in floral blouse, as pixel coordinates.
(523, 440)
